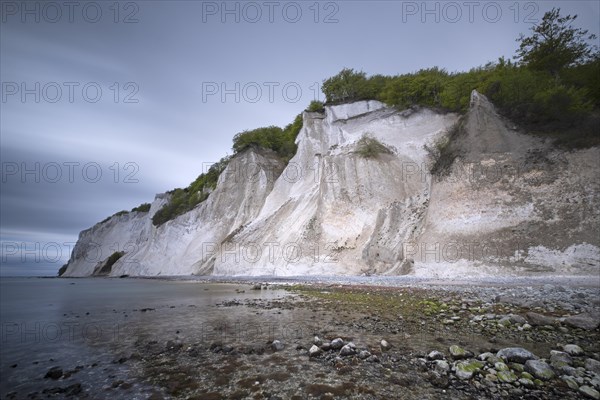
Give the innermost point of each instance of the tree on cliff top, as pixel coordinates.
(347, 85)
(555, 44)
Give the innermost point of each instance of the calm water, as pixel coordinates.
(91, 323)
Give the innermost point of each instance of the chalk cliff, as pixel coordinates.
(500, 202)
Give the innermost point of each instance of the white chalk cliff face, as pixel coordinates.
(501, 203)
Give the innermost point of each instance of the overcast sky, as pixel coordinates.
(104, 106)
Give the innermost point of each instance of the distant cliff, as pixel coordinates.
(374, 190)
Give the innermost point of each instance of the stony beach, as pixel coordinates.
(345, 340)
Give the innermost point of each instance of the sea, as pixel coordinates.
(88, 327)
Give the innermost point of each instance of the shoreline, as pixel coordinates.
(584, 281)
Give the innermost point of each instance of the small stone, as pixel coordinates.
(317, 341)
(326, 346)
(441, 366)
(539, 369)
(364, 354)
(500, 366)
(570, 371)
(570, 381)
(587, 321)
(373, 359)
(277, 345)
(528, 383)
(314, 351)
(592, 365)
(54, 373)
(526, 327)
(485, 356)
(493, 360)
(385, 346)
(559, 359)
(517, 319)
(435, 355)
(457, 352)
(466, 369)
(438, 380)
(505, 322)
(536, 319)
(516, 367)
(337, 344)
(347, 350)
(516, 354)
(573, 349)
(589, 392)
(506, 376)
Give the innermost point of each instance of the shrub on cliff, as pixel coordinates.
(369, 147)
(144, 207)
(315, 106)
(282, 141)
(184, 200)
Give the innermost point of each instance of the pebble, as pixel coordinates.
(54, 373)
(517, 319)
(317, 341)
(528, 383)
(589, 392)
(347, 350)
(441, 366)
(570, 381)
(435, 355)
(314, 351)
(536, 319)
(573, 349)
(516, 354)
(277, 345)
(539, 369)
(506, 376)
(500, 366)
(592, 365)
(385, 346)
(457, 352)
(466, 369)
(560, 359)
(337, 343)
(587, 321)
